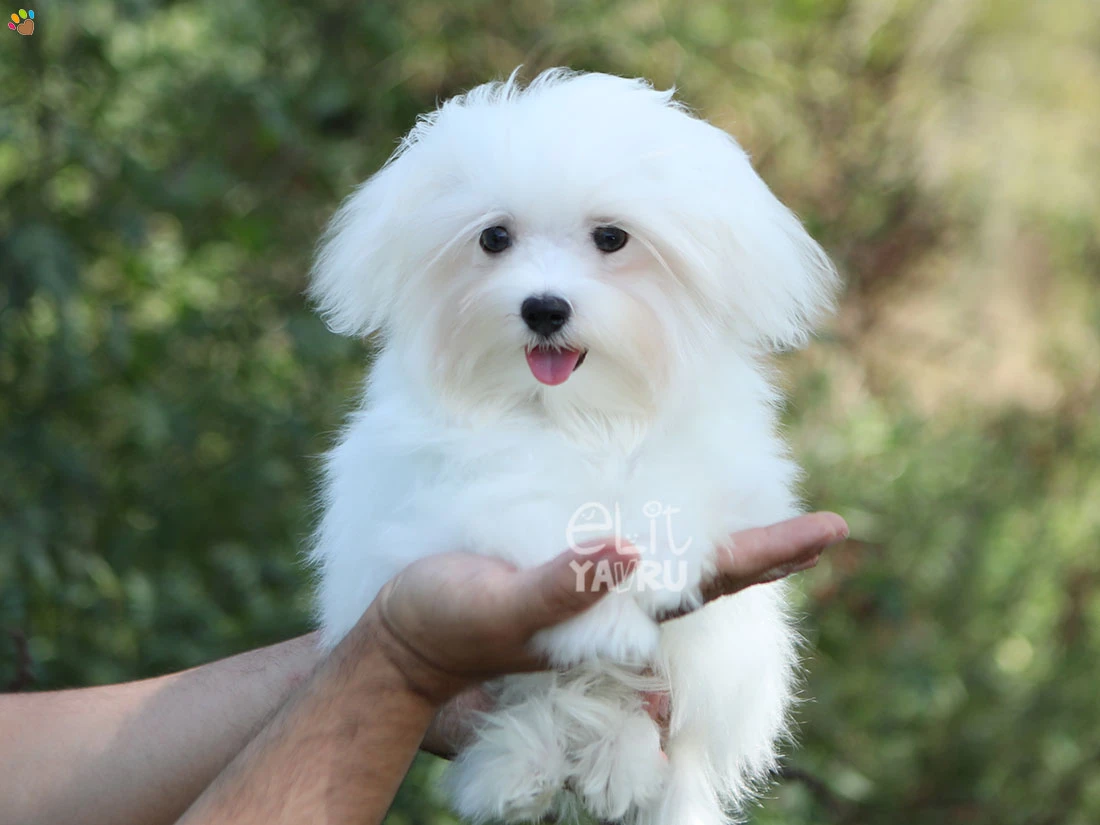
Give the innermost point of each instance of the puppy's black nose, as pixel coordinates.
(545, 314)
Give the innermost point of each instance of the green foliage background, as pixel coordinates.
(165, 169)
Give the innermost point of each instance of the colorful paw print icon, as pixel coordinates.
(23, 22)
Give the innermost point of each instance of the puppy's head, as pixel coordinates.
(577, 241)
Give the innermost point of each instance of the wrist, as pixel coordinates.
(407, 667)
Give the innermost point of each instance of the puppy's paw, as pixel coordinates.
(513, 771)
(688, 797)
(621, 771)
(661, 604)
(668, 586)
(615, 630)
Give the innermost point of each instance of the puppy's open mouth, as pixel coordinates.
(553, 366)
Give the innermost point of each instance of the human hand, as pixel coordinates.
(452, 621)
(753, 557)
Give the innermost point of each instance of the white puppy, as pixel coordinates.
(576, 284)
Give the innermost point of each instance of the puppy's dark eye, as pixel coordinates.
(495, 239)
(609, 238)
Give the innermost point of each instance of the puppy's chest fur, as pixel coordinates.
(534, 493)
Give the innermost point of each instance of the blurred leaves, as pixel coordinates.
(166, 167)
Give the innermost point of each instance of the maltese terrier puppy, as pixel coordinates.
(576, 285)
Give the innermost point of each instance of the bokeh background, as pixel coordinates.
(166, 167)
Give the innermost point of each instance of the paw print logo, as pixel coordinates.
(22, 22)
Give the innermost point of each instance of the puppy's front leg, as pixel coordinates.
(517, 765)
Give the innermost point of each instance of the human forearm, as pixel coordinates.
(336, 752)
(138, 753)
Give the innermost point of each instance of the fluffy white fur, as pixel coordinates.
(457, 446)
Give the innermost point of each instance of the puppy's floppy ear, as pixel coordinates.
(359, 259)
(774, 282)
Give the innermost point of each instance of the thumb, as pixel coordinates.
(572, 582)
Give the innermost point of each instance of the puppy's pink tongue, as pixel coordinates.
(552, 366)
